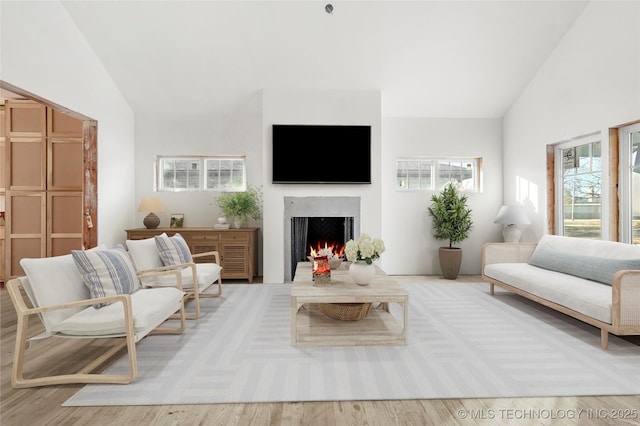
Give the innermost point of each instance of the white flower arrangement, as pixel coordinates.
(365, 249)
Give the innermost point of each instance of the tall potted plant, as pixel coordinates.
(241, 205)
(451, 220)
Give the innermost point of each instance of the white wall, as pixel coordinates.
(406, 226)
(589, 83)
(316, 107)
(237, 132)
(43, 52)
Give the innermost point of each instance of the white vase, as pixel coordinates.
(361, 273)
(237, 222)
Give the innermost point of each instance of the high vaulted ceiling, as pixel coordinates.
(428, 58)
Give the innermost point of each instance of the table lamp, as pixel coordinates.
(151, 205)
(511, 217)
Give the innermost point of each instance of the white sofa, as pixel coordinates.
(595, 281)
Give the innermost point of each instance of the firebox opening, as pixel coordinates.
(326, 232)
(317, 233)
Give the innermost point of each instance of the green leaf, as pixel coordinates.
(451, 217)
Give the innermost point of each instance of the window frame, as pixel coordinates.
(625, 181)
(558, 183)
(436, 183)
(203, 178)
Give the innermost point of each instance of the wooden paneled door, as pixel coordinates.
(26, 165)
(50, 180)
(65, 218)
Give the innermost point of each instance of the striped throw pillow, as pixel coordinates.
(106, 272)
(173, 250)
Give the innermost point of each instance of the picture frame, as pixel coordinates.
(177, 220)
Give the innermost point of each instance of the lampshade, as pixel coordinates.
(151, 204)
(512, 215)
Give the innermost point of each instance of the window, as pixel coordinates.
(579, 189)
(629, 138)
(420, 173)
(196, 173)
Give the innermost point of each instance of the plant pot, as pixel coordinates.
(450, 260)
(238, 222)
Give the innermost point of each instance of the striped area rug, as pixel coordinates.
(462, 343)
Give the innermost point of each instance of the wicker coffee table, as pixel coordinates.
(309, 326)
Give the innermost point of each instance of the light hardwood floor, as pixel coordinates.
(43, 406)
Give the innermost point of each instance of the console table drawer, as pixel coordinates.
(235, 237)
(209, 238)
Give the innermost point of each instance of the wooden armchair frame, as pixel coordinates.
(193, 293)
(84, 375)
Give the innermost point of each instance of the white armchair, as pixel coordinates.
(59, 296)
(147, 260)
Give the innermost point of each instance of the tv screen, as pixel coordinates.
(321, 154)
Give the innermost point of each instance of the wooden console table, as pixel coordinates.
(309, 326)
(238, 248)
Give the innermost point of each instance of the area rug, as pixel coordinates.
(462, 343)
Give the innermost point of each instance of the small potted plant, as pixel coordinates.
(451, 220)
(241, 205)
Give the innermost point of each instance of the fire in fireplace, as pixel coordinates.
(335, 249)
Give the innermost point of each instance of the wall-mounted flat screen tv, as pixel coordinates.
(321, 154)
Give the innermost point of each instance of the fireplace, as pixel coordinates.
(312, 222)
(310, 235)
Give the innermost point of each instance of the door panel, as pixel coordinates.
(27, 164)
(27, 224)
(64, 222)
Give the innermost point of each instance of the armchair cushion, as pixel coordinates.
(173, 250)
(208, 273)
(150, 308)
(54, 281)
(144, 254)
(106, 272)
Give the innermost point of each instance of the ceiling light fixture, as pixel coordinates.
(328, 8)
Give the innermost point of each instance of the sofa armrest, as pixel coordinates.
(13, 287)
(215, 254)
(23, 311)
(506, 253)
(625, 310)
(166, 270)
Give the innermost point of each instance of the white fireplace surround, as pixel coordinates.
(316, 207)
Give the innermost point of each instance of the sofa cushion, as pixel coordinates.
(106, 272)
(144, 253)
(150, 308)
(587, 297)
(173, 250)
(589, 267)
